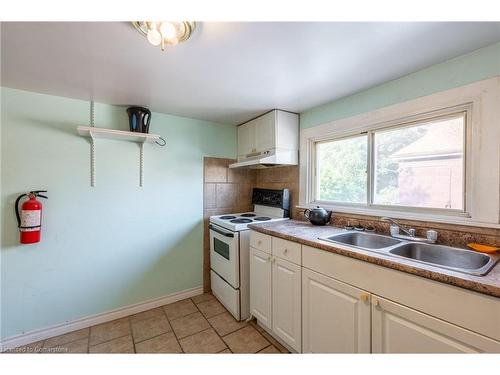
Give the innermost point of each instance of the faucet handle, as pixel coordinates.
(432, 235)
(394, 229)
(412, 232)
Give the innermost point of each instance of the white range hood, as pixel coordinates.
(269, 140)
(268, 159)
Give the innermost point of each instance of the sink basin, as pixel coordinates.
(452, 258)
(363, 240)
(461, 260)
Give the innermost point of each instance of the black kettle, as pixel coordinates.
(139, 119)
(318, 216)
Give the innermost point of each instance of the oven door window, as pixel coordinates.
(221, 248)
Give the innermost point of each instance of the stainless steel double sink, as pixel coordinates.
(452, 258)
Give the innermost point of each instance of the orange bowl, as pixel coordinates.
(483, 248)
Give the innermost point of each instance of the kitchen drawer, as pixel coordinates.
(287, 250)
(260, 242)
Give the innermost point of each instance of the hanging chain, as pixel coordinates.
(92, 146)
(141, 165)
(92, 116)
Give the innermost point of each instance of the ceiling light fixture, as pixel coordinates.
(165, 33)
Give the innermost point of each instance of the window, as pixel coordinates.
(419, 165)
(342, 166)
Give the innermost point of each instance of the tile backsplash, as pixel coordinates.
(449, 234)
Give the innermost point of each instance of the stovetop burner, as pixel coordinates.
(241, 221)
(262, 218)
(248, 215)
(227, 217)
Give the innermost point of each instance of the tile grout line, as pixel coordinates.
(229, 333)
(131, 333)
(104, 342)
(265, 348)
(213, 328)
(69, 342)
(88, 340)
(170, 322)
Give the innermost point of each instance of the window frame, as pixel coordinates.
(399, 123)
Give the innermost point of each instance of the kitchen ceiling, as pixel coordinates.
(227, 72)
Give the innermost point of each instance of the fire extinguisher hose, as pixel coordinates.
(35, 193)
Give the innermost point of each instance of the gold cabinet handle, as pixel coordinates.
(268, 259)
(273, 260)
(285, 251)
(364, 297)
(375, 302)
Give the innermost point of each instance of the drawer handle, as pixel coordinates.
(364, 297)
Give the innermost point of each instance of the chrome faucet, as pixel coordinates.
(431, 235)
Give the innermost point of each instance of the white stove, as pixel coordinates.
(230, 248)
(240, 221)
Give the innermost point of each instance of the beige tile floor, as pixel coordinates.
(195, 325)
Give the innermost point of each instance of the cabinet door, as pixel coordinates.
(246, 139)
(260, 286)
(335, 316)
(265, 132)
(286, 307)
(399, 329)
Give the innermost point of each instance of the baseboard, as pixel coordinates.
(61, 329)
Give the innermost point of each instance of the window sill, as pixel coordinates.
(406, 215)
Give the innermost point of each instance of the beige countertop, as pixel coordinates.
(307, 234)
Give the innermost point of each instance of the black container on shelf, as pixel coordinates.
(139, 119)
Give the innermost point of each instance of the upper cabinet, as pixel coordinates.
(272, 132)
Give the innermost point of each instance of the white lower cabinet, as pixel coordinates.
(316, 302)
(286, 302)
(276, 289)
(260, 287)
(399, 329)
(335, 316)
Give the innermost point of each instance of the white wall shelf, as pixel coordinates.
(93, 133)
(90, 131)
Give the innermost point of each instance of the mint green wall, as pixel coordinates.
(475, 66)
(107, 246)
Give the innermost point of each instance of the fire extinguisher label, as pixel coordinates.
(30, 218)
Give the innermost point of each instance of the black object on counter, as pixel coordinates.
(318, 216)
(139, 119)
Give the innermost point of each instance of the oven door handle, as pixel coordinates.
(215, 229)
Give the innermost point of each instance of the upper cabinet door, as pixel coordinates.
(335, 316)
(287, 306)
(265, 132)
(246, 139)
(399, 329)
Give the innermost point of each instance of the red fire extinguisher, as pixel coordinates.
(29, 221)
